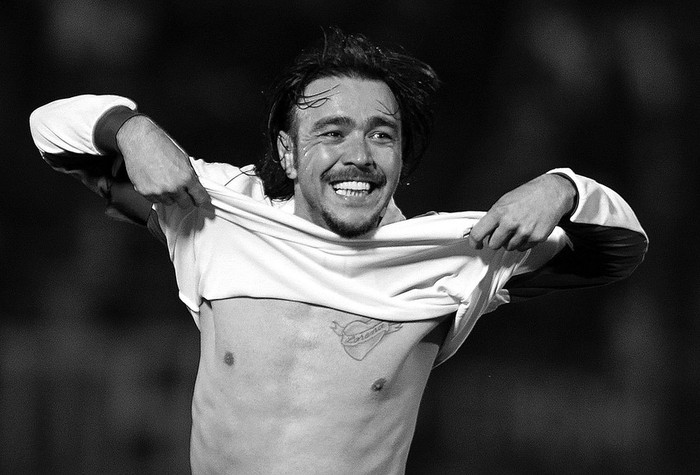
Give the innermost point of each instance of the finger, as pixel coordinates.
(163, 199)
(183, 200)
(530, 239)
(473, 243)
(485, 226)
(198, 194)
(527, 245)
(516, 241)
(500, 238)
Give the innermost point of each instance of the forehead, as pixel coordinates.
(358, 99)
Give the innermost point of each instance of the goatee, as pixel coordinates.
(350, 230)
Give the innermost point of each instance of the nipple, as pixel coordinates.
(378, 385)
(228, 358)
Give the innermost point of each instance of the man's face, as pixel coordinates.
(346, 156)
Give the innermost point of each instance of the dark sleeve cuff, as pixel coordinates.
(107, 126)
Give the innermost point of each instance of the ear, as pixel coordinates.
(285, 151)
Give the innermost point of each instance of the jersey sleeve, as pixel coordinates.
(601, 242)
(77, 136)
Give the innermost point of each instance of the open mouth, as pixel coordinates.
(353, 188)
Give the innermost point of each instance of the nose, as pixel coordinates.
(358, 153)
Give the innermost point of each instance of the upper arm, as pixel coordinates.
(77, 136)
(584, 255)
(72, 125)
(601, 242)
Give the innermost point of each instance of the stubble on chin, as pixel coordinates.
(350, 230)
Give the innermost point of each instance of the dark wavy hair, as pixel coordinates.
(412, 82)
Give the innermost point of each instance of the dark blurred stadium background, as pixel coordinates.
(98, 357)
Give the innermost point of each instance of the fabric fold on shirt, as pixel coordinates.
(411, 270)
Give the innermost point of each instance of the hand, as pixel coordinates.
(526, 216)
(157, 167)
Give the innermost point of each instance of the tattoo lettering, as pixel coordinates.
(359, 337)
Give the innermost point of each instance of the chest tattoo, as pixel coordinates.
(359, 337)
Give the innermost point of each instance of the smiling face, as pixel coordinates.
(344, 154)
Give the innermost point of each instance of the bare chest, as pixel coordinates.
(307, 386)
(292, 342)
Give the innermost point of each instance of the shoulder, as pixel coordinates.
(242, 180)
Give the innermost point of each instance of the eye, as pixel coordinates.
(332, 134)
(381, 136)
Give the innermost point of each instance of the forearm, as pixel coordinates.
(89, 136)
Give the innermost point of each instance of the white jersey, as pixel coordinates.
(246, 245)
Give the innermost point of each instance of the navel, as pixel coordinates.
(228, 358)
(378, 385)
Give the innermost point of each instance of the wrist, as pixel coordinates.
(568, 192)
(132, 133)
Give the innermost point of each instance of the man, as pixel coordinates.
(321, 308)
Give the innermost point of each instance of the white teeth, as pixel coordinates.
(351, 187)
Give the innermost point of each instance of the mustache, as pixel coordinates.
(373, 176)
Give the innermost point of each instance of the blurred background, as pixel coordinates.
(98, 357)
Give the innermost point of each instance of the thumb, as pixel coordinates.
(198, 193)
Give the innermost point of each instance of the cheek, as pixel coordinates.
(315, 157)
(310, 167)
(309, 145)
(392, 164)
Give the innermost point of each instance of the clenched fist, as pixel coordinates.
(157, 167)
(526, 216)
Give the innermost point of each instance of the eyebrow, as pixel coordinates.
(377, 121)
(344, 121)
(337, 120)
